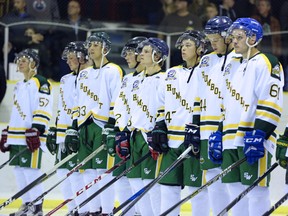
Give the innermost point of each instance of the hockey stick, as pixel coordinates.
(136, 197)
(220, 175)
(276, 205)
(247, 190)
(37, 181)
(108, 184)
(12, 158)
(86, 187)
(89, 157)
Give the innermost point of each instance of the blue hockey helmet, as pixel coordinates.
(159, 46)
(250, 26)
(132, 45)
(218, 25)
(77, 47)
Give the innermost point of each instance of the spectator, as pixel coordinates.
(16, 33)
(226, 9)
(168, 6)
(210, 11)
(44, 9)
(198, 8)
(270, 43)
(179, 21)
(3, 83)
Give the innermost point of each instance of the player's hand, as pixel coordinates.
(122, 142)
(215, 147)
(51, 140)
(154, 153)
(254, 145)
(281, 149)
(32, 139)
(159, 139)
(3, 141)
(192, 138)
(72, 142)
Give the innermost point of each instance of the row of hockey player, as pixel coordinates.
(226, 104)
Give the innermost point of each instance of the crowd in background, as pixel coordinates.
(162, 15)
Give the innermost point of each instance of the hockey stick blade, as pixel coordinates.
(37, 181)
(78, 166)
(116, 178)
(144, 190)
(220, 175)
(86, 187)
(276, 205)
(247, 190)
(15, 156)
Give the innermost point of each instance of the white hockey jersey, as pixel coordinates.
(122, 109)
(253, 99)
(32, 105)
(65, 105)
(96, 91)
(207, 110)
(145, 102)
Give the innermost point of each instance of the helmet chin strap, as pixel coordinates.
(249, 51)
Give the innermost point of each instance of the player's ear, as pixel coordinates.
(33, 65)
(252, 40)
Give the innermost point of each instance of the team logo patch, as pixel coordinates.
(124, 82)
(135, 85)
(171, 75)
(45, 89)
(83, 75)
(276, 72)
(204, 62)
(227, 69)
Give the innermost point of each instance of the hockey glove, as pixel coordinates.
(154, 153)
(192, 138)
(32, 139)
(215, 147)
(51, 140)
(110, 142)
(122, 142)
(254, 145)
(281, 149)
(3, 141)
(108, 128)
(159, 139)
(72, 143)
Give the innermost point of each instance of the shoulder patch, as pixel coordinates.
(275, 65)
(204, 62)
(44, 85)
(171, 75)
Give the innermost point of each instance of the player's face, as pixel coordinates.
(131, 58)
(23, 64)
(188, 50)
(72, 61)
(146, 56)
(238, 38)
(217, 43)
(95, 50)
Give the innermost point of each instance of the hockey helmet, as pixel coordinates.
(250, 26)
(159, 46)
(132, 45)
(77, 47)
(218, 25)
(101, 37)
(30, 54)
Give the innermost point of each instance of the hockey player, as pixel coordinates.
(122, 114)
(282, 154)
(31, 112)
(75, 54)
(96, 90)
(176, 96)
(252, 104)
(143, 110)
(207, 111)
